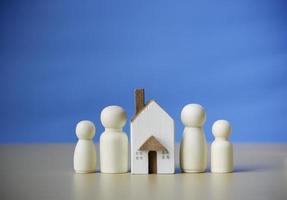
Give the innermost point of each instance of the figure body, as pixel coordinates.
(221, 148)
(193, 147)
(113, 141)
(85, 151)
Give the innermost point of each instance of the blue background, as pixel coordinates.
(64, 60)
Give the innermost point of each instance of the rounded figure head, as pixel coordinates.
(85, 130)
(221, 128)
(193, 115)
(113, 117)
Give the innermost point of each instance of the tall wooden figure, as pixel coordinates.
(221, 148)
(85, 151)
(152, 138)
(193, 147)
(113, 141)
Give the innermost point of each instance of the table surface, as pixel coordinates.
(45, 171)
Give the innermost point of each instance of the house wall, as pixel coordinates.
(153, 120)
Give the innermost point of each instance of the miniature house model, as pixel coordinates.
(152, 138)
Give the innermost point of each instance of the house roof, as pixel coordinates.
(152, 144)
(137, 114)
(146, 105)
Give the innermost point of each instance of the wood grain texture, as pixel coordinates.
(140, 100)
(152, 162)
(152, 144)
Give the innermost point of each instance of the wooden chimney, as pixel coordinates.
(139, 100)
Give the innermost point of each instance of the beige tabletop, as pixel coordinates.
(45, 171)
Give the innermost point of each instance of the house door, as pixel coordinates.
(152, 162)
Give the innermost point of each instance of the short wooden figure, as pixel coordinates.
(221, 148)
(113, 141)
(152, 138)
(193, 147)
(85, 152)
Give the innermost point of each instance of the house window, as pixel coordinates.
(139, 155)
(165, 155)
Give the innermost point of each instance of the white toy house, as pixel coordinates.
(152, 138)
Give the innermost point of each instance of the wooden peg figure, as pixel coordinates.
(221, 148)
(193, 147)
(85, 151)
(113, 141)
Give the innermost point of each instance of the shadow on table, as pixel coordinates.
(237, 169)
(244, 169)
